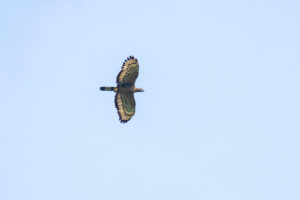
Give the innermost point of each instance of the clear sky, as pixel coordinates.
(219, 118)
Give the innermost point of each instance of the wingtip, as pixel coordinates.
(129, 58)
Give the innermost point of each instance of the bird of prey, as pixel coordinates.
(124, 98)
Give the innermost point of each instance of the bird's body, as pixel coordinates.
(124, 99)
(122, 89)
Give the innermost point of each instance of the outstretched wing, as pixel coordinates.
(125, 105)
(129, 72)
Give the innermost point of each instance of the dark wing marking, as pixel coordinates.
(129, 72)
(125, 105)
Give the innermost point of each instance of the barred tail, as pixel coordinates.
(108, 88)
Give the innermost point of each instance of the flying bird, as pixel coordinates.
(124, 98)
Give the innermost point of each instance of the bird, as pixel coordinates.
(125, 89)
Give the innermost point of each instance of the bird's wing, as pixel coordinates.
(129, 72)
(125, 105)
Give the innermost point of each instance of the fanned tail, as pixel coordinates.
(108, 89)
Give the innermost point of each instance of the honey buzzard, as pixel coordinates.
(124, 99)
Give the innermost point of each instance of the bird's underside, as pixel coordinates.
(124, 98)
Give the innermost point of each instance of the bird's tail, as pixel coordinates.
(108, 88)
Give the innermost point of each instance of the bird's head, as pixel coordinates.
(138, 90)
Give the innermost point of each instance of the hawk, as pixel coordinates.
(124, 98)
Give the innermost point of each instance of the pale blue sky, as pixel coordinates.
(219, 118)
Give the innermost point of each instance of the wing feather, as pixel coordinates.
(129, 72)
(125, 105)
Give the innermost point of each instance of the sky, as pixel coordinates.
(219, 118)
